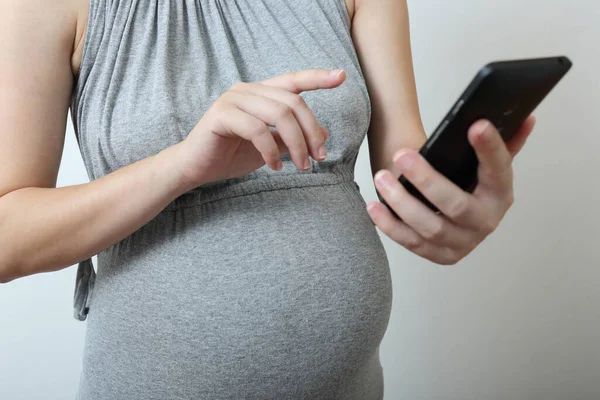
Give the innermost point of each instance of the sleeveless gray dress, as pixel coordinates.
(274, 285)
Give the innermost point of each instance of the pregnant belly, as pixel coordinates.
(278, 294)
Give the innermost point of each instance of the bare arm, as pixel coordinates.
(43, 228)
(380, 31)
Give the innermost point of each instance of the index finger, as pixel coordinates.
(307, 79)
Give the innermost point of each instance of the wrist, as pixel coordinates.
(169, 163)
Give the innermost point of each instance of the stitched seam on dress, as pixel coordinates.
(250, 194)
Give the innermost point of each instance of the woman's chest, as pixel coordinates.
(149, 73)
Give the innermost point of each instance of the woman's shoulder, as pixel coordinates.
(61, 22)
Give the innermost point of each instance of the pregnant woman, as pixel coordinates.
(236, 256)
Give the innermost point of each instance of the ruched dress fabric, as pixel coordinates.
(273, 285)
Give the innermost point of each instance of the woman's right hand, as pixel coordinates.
(233, 137)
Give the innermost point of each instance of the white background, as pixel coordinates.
(519, 318)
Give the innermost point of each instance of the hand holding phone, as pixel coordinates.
(464, 171)
(503, 92)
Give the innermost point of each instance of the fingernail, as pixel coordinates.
(404, 159)
(322, 152)
(370, 207)
(384, 180)
(484, 130)
(336, 73)
(307, 164)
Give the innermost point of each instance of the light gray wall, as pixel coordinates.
(518, 319)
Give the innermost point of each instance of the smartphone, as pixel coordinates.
(504, 92)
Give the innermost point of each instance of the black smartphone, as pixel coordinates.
(504, 92)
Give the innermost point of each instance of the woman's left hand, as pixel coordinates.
(465, 219)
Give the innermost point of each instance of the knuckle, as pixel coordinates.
(294, 76)
(434, 232)
(425, 181)
(283, 111)
(450, 260)
(459, 207)
(450, 257)
(268, 152)
(412, 243)
(257, 129)
(221, 114)
(298, 101)
(272, 153)
(394, 197)
(489, 225)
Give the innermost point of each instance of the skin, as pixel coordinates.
(44, 228)
(396, 133)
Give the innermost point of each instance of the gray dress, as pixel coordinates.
(274, 285)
